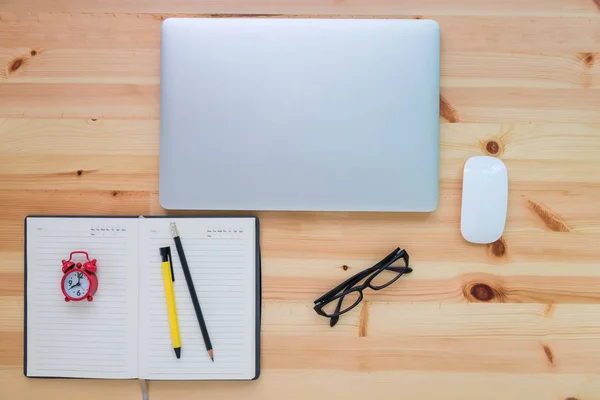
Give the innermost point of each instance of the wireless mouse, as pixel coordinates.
(484, 199)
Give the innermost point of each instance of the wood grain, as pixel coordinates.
(459, 69)
(518, 319)
(346, 384)
(476, 33)
(311, 7)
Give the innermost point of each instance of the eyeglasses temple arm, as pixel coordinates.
(407, 270)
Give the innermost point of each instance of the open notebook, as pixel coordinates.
(124, 332)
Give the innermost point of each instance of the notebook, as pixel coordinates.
(124, 332)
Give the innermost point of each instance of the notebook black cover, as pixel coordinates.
(258, 278)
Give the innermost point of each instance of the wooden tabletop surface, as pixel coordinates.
(519, 319)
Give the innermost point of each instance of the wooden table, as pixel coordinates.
(520, 319)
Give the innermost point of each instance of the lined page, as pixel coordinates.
(221, 257)
(82, 339)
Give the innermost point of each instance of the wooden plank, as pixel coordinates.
(347, 7)
(525, 141)
(11, 318)
(519, 34)
(508, 105)
(543, 321)
(139, 172)
(491, 105)
(11, 349)
(47, 100)
(16, 386)
(323, 384)
(12, 261)
(48, 31)
(476, 33)
(57, 202)
(522, 70)
(134, 166)
(519, 141)
(86, 66)
(470, 287)
(331, 270)
(459, 69)
(304, 384)
(117, 173)
(11, 284)
(85, 137)
(376, 240)
(398, 321)
(365, 354)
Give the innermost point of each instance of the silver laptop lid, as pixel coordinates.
(299, 114)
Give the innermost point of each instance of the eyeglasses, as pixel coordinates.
(346, 295)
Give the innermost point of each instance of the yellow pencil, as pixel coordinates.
(169, 278)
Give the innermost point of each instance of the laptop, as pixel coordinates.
(299, 114)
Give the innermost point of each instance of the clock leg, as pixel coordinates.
(67, 299)
(90, 298)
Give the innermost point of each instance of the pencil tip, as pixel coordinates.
(174, 230)
(177, 352)
(211, 355)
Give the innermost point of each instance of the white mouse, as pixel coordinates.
(484, 199)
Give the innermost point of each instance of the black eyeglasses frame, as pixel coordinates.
(339, 292)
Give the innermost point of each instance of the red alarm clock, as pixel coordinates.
(79, 280)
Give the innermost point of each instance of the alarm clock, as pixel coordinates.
(79, 280)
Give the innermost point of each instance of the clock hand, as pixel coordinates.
(78, 281)
(77, 284)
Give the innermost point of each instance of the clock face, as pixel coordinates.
(77, 284)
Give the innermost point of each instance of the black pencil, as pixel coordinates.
(192, 289)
